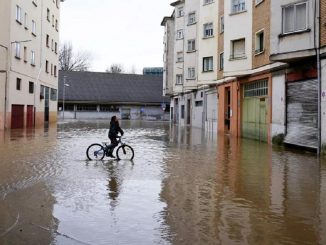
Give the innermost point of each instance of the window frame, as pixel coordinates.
(294, 5)
(239, 7)
(18, 84)
(221, 24)
(191, 73)
(179, 79)
(180, 34)
(208, 64)
(208, 32)
(31, 87)
(221, 61)
(192, 18)
(18, 14)
(243, 56)
(191, 45)
(257, 42)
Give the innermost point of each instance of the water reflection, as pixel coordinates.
(184, 187)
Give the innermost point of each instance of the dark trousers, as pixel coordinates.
(113, 144)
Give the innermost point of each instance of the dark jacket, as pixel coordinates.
(115, 129)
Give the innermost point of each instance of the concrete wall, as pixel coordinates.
(323, 105)
(278, 104)
(168, 58)
(149, 113)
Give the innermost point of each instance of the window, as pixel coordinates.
(208, 1)
(25, 54)
(17, 50)
(259, 1)
(57, 3)
(191, 73)
(47, 41)
(34, 2)
(51, 69)
(179, 80)
(47, 66)
(53, 94)
(56, 47)
(221, 58)
(18, 14)
(33, 27)
(295, 17)
(52, 45)
(208, 63)
(238, 6)
(180, 12)
(179, 56)
(33, 58)
(182, 112)
(199, 103)
(31, 87)
(221, 24)
(42, 88)
(55, 71)
(53, 23)
(48, 14)
(26, 21)
(208, 30)
(191, 18)
(256, 89)
(56, 25)
(238, 50)
(191, 45)
(18, 83)
(259, 45)
(179, 34)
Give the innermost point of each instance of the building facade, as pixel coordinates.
(263, 62)
(29, 44)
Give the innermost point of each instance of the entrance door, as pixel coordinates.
(17, 116)
(47, 104)
(189, 111)
(30, 116)
(227, 109)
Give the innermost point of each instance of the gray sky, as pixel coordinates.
(116, 31)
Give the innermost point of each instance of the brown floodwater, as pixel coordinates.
(184, 187)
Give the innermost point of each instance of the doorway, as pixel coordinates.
(227, 109)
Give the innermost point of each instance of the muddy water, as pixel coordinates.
(184, 187)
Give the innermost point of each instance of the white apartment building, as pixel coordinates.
(194, 98)
(29, 44)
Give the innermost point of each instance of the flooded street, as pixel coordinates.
(183, 187)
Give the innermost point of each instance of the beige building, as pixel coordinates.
(29, 43)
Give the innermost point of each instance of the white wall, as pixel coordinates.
(289, 43)
(278, 104)
(237, 26)
(208, 46)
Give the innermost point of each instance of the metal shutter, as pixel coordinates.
(302, 113)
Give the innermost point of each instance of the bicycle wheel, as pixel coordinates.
(125, 152)
(95, 152)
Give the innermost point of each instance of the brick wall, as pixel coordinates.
(261, 20)
(323, 22)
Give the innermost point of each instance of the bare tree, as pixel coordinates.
(73, 61)
(115, 68)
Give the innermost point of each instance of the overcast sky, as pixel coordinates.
(115, 31)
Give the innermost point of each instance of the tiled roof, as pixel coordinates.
(111, 88)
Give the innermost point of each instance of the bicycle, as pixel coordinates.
(99, 151)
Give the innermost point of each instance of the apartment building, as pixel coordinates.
(29, 43)
(194, 63)
(256, 67)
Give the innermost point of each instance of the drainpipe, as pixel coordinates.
(317, 48)
(6, 85)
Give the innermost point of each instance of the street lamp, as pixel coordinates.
(64, 94)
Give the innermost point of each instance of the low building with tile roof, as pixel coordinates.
(100, 95)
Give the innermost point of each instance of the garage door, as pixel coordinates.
(302, 113)
(255, 110)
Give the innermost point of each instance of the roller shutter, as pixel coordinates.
(302, 113)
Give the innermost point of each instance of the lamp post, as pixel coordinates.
(64, 94)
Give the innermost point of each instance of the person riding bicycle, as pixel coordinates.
(113, 134)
